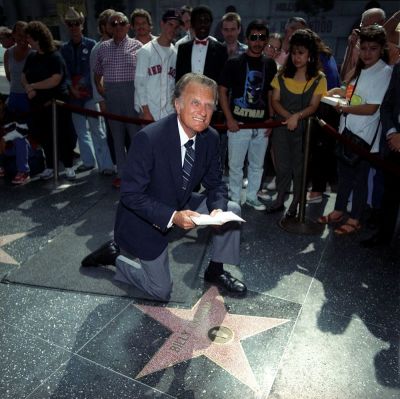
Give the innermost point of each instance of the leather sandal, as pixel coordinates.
(328, 219)
(347, 228)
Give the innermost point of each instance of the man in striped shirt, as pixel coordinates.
(115, 80)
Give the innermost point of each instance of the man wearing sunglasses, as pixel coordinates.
(244, 90)
(115, 80)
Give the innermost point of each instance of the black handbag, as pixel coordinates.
(346, 154)
(343, 151)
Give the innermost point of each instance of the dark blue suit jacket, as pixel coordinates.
(390, 107)
(151, 188)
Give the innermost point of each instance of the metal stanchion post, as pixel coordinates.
(301, 225)
(55, 140)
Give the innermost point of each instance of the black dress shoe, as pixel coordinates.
(275, 208)
(105, 255)
(226, 281)
(375, 241)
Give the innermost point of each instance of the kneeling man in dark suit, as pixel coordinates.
(166, 161)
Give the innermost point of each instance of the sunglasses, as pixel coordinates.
(120, 23)
(260, 36)
(72, 24)
(276, 49)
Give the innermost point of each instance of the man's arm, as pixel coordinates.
(350, 56)
(6, 65)
(134, 189)
(387, 111)
(390, 27)
(231, 122)
(98, 80)
(141, 79)
(388, 104)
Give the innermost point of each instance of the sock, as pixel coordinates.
(215, 268)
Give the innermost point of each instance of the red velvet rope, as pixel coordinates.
(375, 159)
(139, 121)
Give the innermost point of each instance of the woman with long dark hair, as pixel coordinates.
(298, 88)
(364, 94)
(43, 78)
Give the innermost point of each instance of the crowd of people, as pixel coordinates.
(262, 76)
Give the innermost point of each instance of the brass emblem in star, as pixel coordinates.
(207, 329)
(4, 240)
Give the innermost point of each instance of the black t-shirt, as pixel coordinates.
(39, 67)
(248, 80)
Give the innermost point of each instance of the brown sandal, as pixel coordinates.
(347, 228)
(328, 219)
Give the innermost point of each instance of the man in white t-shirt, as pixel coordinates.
(155, 71)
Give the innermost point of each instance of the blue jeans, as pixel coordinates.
(18, 103)
(252, 142)
(93, 146)
(21, 150)
(352, 179)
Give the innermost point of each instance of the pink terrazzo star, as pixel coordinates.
(4, 240)
(190, 336)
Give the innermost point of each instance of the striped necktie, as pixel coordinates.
(187, 164)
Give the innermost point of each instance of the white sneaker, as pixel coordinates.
(47, 174)
(272, 185)
(256, 204)
(70, 173)
(263, 194)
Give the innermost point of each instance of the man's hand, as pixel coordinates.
(102, 105)
(394, 141)
(233, 125)
(75, 93)
(215, 211)
(146, 114)
(31, 94)
(183, 220)
(268, 130)
(353, 38)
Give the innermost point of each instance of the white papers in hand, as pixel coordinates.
(218, 219)
(333, 100)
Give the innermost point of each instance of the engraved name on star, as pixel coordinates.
(207, 329)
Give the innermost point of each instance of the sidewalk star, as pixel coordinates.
(207, 329)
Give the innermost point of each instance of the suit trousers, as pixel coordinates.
(120, 100)
(153, 277)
